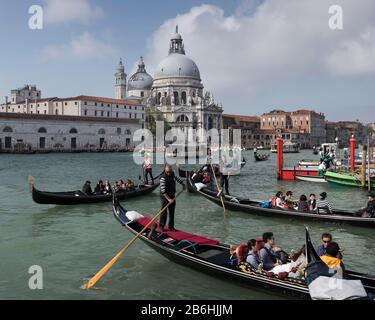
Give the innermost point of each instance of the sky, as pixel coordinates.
(254, 55)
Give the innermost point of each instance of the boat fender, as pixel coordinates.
(133, 215)
(241, 252)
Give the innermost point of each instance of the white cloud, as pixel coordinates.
(62, 11)
(82, 47)
(267, 43)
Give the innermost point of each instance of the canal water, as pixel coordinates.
(73, 243)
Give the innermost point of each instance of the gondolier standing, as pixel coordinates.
(224, 183)
(147, 167)
(167, 195)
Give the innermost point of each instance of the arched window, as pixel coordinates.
(8, 130)
(73, 131)
(210, 123)
(42, 130)
(175, 95)
(159, 97)
(128, 131)
(101, 131)
(182, 118)
(183, 97)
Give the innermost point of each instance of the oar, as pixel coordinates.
(219, 189)
(109, 265)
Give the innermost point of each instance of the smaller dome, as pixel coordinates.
(140, 80)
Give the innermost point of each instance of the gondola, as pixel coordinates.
(254, 207)
(261, 157)
(78, 197)
(212, 257)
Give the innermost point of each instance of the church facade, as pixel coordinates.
(177, 91)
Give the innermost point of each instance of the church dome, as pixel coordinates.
(177, 64)
(140, 80)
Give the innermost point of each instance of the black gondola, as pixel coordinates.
(212, 257)
(261, 157)
(78, 197)
(254, 207)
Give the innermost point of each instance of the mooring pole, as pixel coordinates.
(280, 160)
(352, 153)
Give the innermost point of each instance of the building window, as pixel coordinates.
(130, 115)
(96, 104)
(116, 114)
(66, 103)
(102, 104)
(85, 112)
(130, 107)
(142, 94)
(76, 103)
(85, 103)
(101, 131)
(118, 131)
(108, 114)
(183, 118)
(45, 111)
(8, 130)
(56, 112)
(42, 130)
(128, 132)
(73, 131)
(102, 113)
(183, 97)
(96, 113)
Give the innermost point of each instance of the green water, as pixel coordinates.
(73, 243)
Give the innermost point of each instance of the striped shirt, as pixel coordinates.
(163, 184)
(323, 206)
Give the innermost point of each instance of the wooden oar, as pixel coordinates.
(219, 189)
(109, 265)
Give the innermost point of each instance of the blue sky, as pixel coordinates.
(254, 55)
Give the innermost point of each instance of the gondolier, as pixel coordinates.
(224, 172)
(167, 195)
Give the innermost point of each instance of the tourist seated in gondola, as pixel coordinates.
(321, 249)
(303, 204)
(197, 177)
(369, 210)
(107, 189)
(312, 202)
(86, 189)
(323, 206)
(252, 254)
(122, 185)
(267, 254)
(279, 201)
(129, 185)
(99, 188)
(331, 256)
(290, 203)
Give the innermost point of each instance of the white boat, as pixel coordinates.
(288, 147)
(311, 178)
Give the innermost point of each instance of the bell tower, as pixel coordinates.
(120, 84)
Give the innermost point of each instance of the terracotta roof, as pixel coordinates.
(47, 117)
(242, 118)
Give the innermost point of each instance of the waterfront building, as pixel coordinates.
(25, 132)
(306, 127)
(177, 91)
(343, 130)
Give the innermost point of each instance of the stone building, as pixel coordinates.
(300, 124)
(21, 132)
(343, 130)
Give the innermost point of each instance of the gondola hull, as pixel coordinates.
(77, 197)
(204, 261)
(253, 207)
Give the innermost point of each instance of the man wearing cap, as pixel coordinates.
(86, 189)
(322, 205)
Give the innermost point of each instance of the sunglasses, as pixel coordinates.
(326, 241)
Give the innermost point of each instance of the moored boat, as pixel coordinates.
(310, 178)
(212, 257)
(78, 197)
(350, 179)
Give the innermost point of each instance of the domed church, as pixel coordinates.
(177, 90)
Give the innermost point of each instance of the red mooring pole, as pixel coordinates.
(280, 162)
(352, 153)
